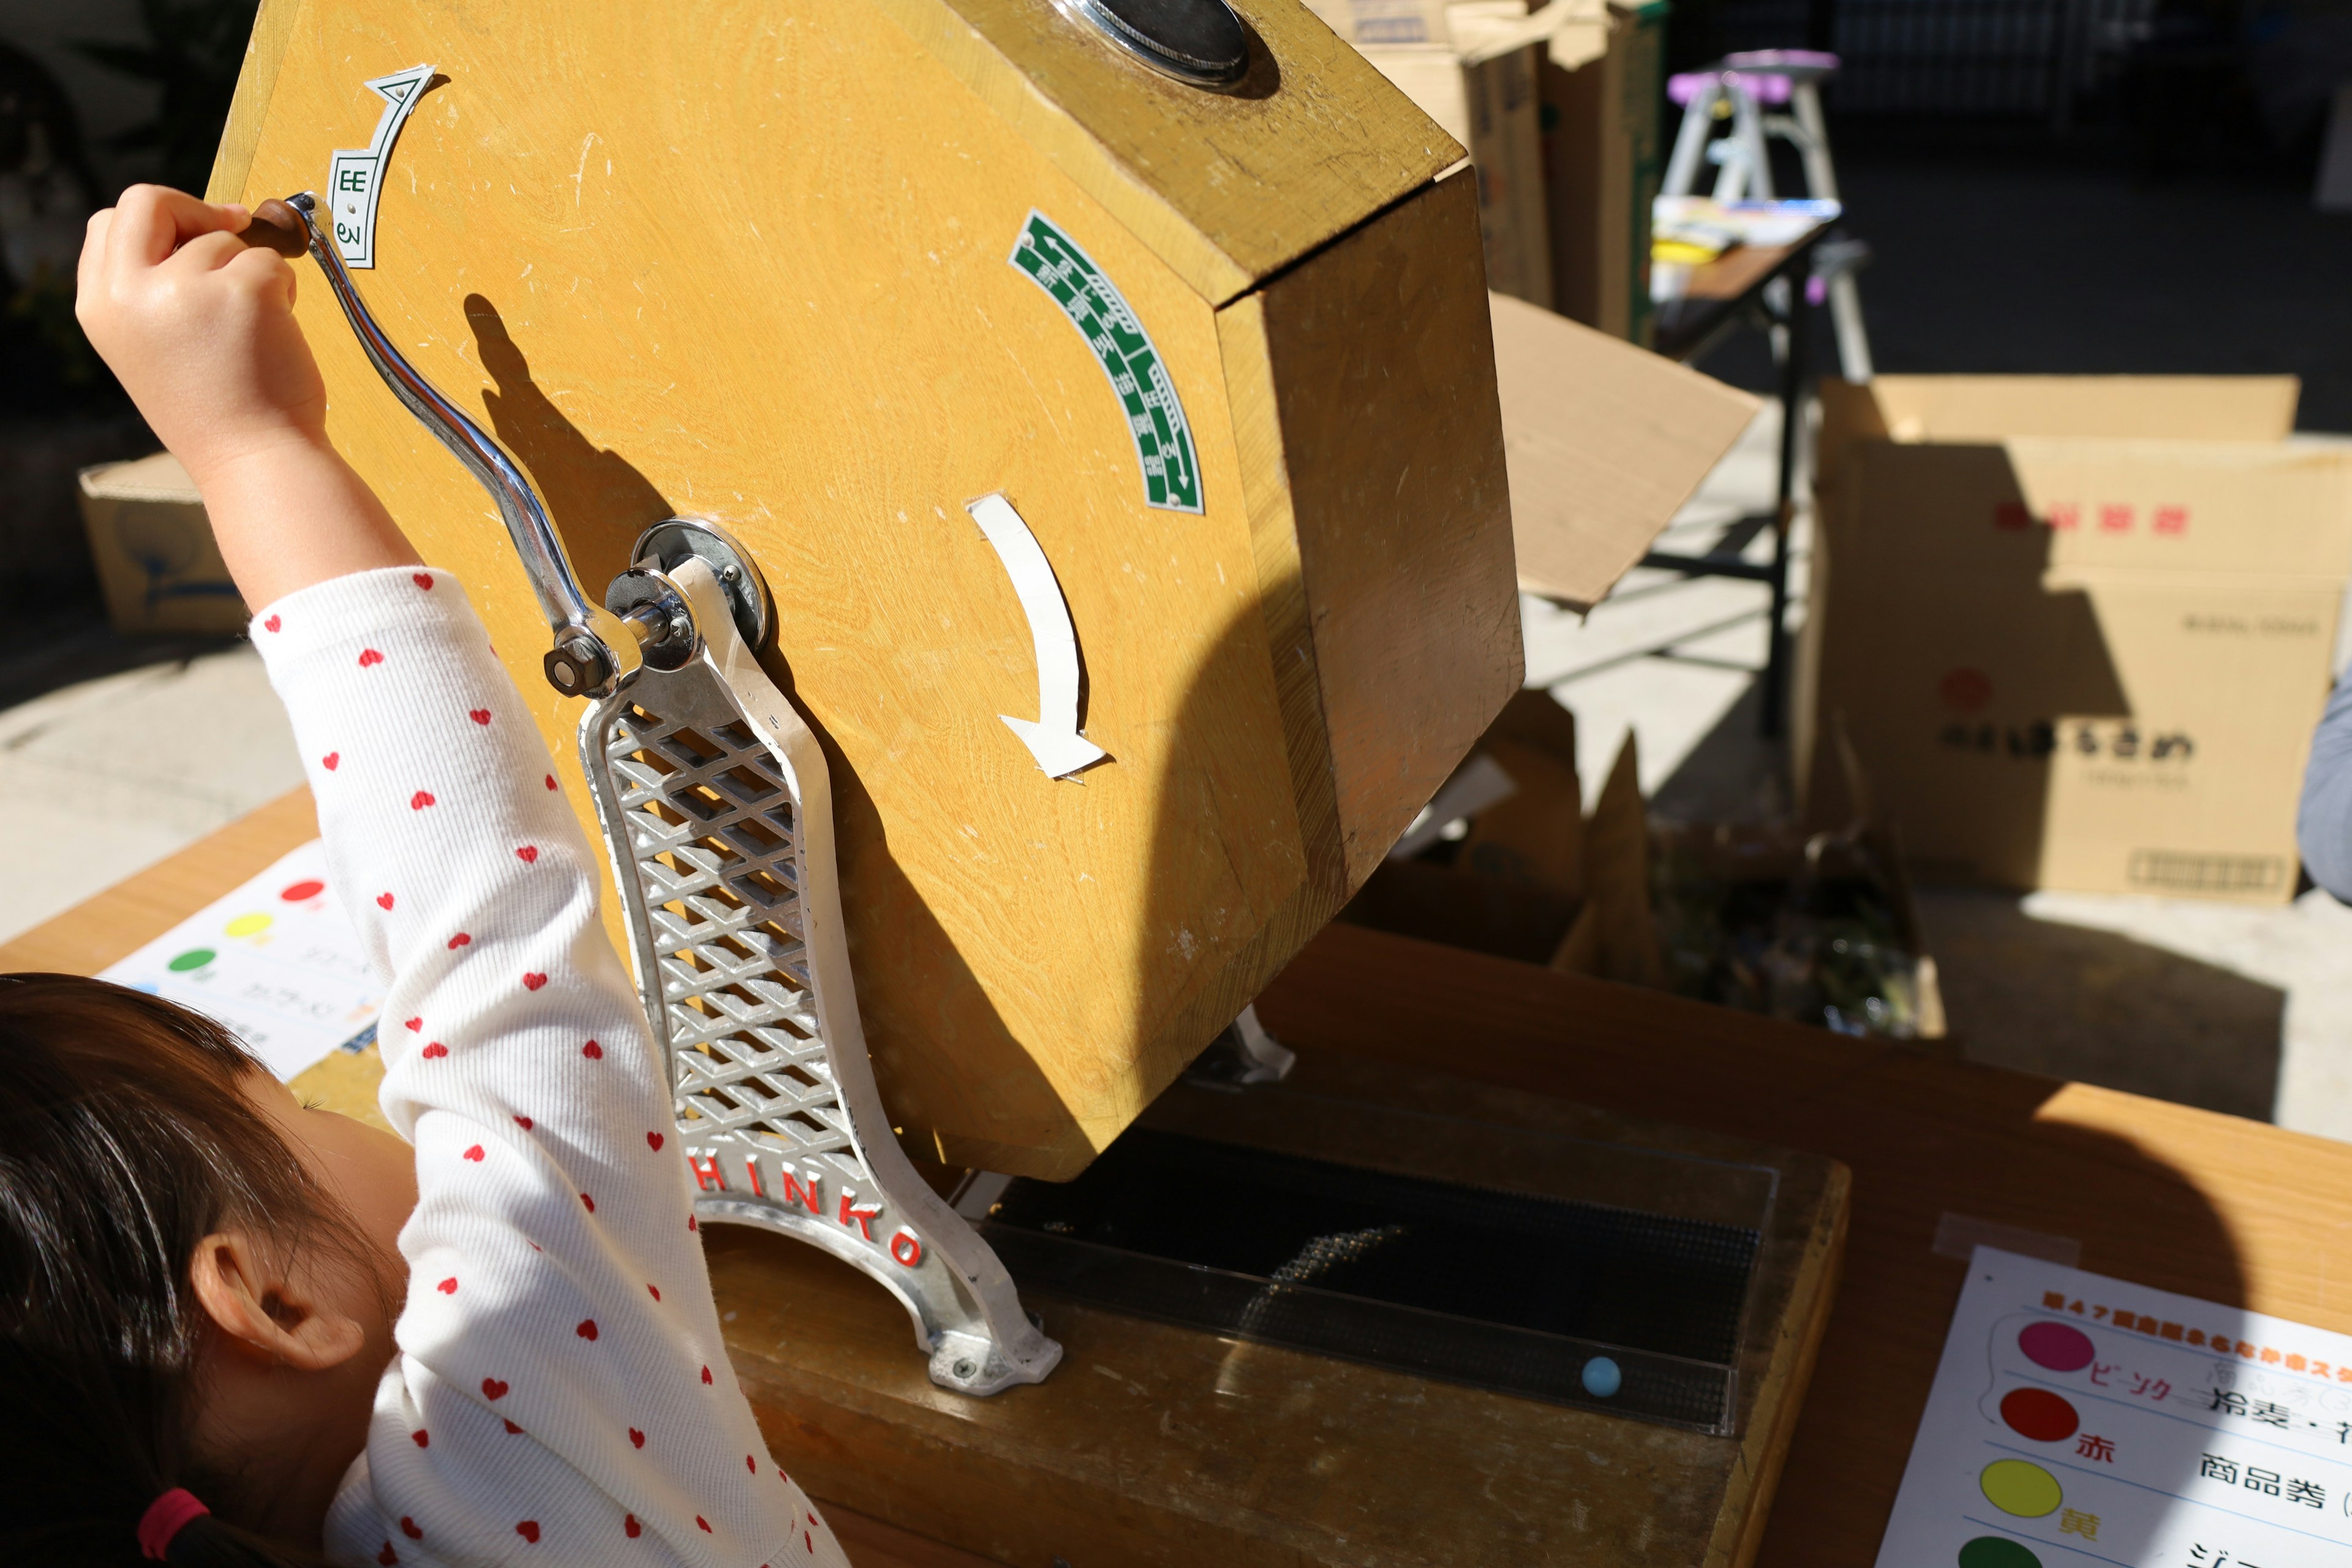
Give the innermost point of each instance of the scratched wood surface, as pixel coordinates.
(747, 259)
(2173, 1197)
(1167, 1447)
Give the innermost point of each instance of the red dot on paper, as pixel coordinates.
(2038, 1414)
(2061, 1347)
(295, 892)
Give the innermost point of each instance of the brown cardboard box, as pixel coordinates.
(1471, 67)
(1603, 441)
(2075, 630)
(1603, 161)
(153, 549)
(1534, 880)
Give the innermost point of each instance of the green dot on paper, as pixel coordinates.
(1997, 1552)
(194, 958)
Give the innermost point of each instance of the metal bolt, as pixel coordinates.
(564, 674)
(965, 1368)
(730, 572)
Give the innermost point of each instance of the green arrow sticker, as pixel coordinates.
(1163, 441)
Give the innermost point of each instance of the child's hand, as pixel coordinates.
(200, 328)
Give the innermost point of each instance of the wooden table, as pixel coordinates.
(2163, 1195)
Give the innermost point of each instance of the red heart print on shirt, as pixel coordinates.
(550, 781)
(435, 1051)
(408, 1528)
(703, 1523)
(493, 1389)
(529, 1531)
(751, 1463)
(523, 1123)
(420, 800)
(448, 1287)
(653, 1141)
(592, 1051)
(330, 760)
(528, 854)
(384, 901)
(513, 1430)
(387, 1556)
(368, 656)
(706, 1374)
(423, 579)
(270, 624)
(629, 1523)
(479, 715)
(587, 1329)
(460, 940)
(637, 1438)
(655, 1289)
(533, 982)
(475, 1154)
(589, 1201)
(421, 1439)
(415, 1024)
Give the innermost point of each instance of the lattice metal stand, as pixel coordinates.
(717, 811)
(717, 805)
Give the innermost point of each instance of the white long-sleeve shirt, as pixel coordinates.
(561, 1393)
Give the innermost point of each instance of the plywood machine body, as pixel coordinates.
(826, 272)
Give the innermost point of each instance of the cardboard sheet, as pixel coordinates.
(1604, 442)
(2077, 1420)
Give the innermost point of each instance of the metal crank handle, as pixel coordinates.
(594, 648)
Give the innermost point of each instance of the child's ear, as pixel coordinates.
(257, 1304)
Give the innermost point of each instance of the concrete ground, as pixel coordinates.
(102, 777)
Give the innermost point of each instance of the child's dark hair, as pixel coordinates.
(124, 1142)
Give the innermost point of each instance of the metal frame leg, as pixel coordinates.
(1796, 323)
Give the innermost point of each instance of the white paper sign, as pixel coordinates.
(2079, 1421)
(355, 176)
(276, 961)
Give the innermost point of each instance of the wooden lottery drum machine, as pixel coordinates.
(1001, 503)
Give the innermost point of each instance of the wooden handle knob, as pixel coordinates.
(278, 227)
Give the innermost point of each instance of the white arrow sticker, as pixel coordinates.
(1053, 737)
(355, 176)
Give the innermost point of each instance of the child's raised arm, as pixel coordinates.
(200, 329)
(561, 1387)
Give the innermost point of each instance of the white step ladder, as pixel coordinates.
(1747, 90)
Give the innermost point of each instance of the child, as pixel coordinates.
(237, 1330)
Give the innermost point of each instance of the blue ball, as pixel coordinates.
(1602, 1377)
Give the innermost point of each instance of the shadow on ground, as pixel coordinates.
(2099, 1007)
(1733, 774)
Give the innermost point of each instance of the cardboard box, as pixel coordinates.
(1471, 67)
(1820, 930)
(153, 548)
(1604, 160)
(1603, 442)
(2075, 631)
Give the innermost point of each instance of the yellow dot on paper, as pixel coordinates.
(248, 925)
(2015, 1486)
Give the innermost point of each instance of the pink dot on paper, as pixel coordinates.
(2061, 1347)
(298, 891)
